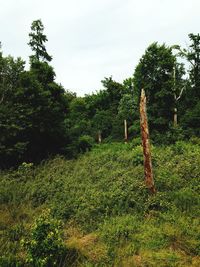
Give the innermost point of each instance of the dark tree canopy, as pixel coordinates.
(33, 107)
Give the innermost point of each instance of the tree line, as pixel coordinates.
(39, 118)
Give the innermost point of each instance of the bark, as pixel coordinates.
(148, 171)
(125, 132)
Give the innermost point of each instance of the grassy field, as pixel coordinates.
(96, 210)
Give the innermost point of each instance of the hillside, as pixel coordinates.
(102, 209)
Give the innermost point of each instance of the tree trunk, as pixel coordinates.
(99, 137)
(125, 132)
(148, 171)
(175, 98)
(175, 117)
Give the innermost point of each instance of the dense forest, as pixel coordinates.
(39, 118)
(72, 190)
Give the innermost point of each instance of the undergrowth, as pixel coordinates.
(100, 211)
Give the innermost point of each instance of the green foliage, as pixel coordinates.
(37, 40)
(195, 140)
(192, 56)
(114, 90)
(154, 74)
(126, 107)
(40, 119)
(119, 229)
(103, 193)
(85, 143)
(33, 110)
(191, 98)
(45, 245)
(191, 121)
(173, 135)
(102, 121)
(135, 142)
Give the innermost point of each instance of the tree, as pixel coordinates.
(32, 122)
(154, 73)
(10, 70)
(33, 112)
(102, 123)
(114, 91)
(37, 42)
(126, 112)
(191, 102)
(126, 108)
(192, 55)
(179, 87)
(12, 120)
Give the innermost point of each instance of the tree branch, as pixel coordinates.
(180, 93)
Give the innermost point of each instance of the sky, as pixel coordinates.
(93, 39)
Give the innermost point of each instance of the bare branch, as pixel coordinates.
(180, 93)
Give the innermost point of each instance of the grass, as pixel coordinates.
(109, 217)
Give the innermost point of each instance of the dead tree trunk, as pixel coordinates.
(148, 171)
(175, 116)
(125, 132)
(99, 137)
(176, 99)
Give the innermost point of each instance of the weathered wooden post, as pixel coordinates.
(175, 116)
(125, 132)
(99, 137)
(148, 171)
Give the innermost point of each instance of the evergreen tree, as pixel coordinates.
(37, 42)
(32, 112)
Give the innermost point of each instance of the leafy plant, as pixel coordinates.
(45, 246)
(85, 143)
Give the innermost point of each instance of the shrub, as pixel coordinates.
(174, 134)
(85, 143)
(136, 142)
(137, 155)
(195, 140)
(45, 246)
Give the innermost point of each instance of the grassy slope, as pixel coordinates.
(109, 217)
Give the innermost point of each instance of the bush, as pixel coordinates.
(174, 134)
(136, 142)
(45, 246)
(195, 140)
(85, 143)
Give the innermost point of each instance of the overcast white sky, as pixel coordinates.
(93, 39)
